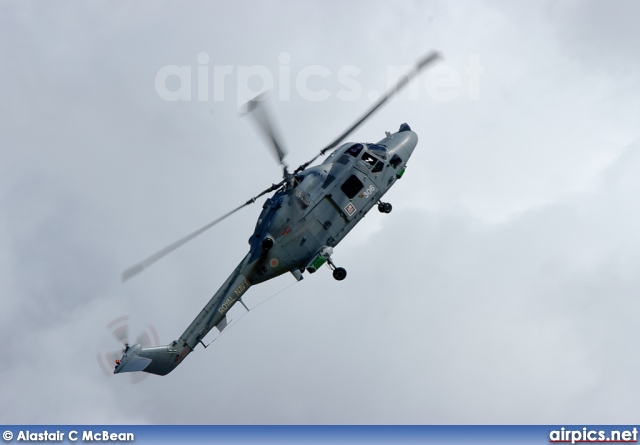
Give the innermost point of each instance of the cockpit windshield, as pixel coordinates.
(378, 150)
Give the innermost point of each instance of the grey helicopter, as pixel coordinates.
(312, 209)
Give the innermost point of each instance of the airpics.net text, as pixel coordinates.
(205, 82)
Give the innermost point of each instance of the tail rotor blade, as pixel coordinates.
(143, 340)
(119, 328)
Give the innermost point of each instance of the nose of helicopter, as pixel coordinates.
(402, 143)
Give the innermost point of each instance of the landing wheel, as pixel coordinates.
(339, 273)
(385, 207)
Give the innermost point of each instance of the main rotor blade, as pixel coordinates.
(142, 265)
(261, 116)
(404, 80)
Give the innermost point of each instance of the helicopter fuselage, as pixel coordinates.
(296, 232)
(298, 225)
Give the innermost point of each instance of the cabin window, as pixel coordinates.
(352, 186)
(328, 181)
(355, 149)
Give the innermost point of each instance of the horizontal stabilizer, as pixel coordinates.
(135, 363)
(160, 360)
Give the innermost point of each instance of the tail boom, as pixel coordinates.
(161, 360)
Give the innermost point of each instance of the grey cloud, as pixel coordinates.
(501, 289)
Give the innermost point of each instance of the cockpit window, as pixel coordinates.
(368, 159)
(395, 161)
(355, 149)
(378, 167)
(378, 150)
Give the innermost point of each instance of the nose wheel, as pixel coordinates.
(384, 207)
(339, 273)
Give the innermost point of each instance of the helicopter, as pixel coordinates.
(312, 210)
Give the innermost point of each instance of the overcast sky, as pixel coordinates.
(503, 288)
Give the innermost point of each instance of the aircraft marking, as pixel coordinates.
(350, 209)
